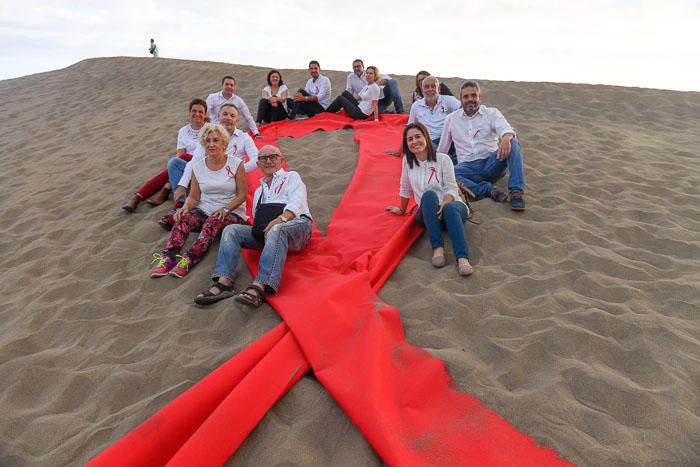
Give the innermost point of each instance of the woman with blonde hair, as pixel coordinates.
(216, 199)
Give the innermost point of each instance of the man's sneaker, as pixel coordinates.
(182, 267)
(163, 266)
(517, 202)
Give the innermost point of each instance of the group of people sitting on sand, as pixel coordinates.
(452, 149)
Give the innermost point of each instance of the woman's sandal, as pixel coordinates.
(253, 300)
(208, 297)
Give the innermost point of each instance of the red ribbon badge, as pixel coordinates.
(279, 188)
(230, 173)
(433, 172)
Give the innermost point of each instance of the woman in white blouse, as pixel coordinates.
(368, 104)
(216, 199)
(273, 105)
(430, 177)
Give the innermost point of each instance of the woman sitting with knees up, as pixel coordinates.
(216, 199)
(430, 177)
(368, 104)
(273, 105)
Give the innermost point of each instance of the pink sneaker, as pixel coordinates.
(165, 264)
(182, 267)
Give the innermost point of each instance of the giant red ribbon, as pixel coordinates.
(399, 396)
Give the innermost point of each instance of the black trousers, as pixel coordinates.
(268, 113)
(308, 108)
(348, 102)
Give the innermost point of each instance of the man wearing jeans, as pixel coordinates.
(486, 146)
(389, 87)
(290, 231)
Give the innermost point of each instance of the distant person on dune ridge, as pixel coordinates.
(216, 100)
(153, 49)
(486, 147)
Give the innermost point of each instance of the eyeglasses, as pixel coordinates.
(270, 158)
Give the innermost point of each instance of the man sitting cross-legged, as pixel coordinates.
(279, 192)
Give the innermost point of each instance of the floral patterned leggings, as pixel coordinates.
(194, 220)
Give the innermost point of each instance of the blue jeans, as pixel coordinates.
(290, 236)
(454, 215)
(452, 152)
(391, 96)
(176, 167)
(479, 176)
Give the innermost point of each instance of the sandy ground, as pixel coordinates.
(580, 326)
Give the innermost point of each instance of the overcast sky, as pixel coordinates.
(625, 42)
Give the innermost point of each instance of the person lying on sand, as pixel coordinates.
(282, 223)
(156, 190)
(486, 146)
(430, 177)
(217, 199)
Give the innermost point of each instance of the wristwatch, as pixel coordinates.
(282, 218)
(226, 210)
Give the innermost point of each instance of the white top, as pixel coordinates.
(354, 83)
(438, 176)
(267, 92)
(321, 88)
(239, 145)
(218, 187)
(433, 119)
(187, 138)
(286, 187)
(368, 94)
(475, 137)
(217, 99)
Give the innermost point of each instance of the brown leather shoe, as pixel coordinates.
(160, 197)
(130, 206)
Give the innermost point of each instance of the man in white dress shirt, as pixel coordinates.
(389, 87)
(432, 111)
(315, 96)
(226, 96)
(486, 146)
(290, 231)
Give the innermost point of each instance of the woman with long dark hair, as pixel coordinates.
(429, 176)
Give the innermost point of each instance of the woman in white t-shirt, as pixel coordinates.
(430, 177)
(273, 105)
(216, 199)
(368, 104)
(157, 189)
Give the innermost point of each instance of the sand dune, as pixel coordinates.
(580, 326)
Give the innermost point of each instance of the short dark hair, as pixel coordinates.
(228, 77)
(269, 73)
(198, 101)
(315, 62)
(228, 104)
(410, 157)
(358, 60)
(469, 84)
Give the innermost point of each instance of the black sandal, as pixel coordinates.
(209, 298)
(247, 298)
